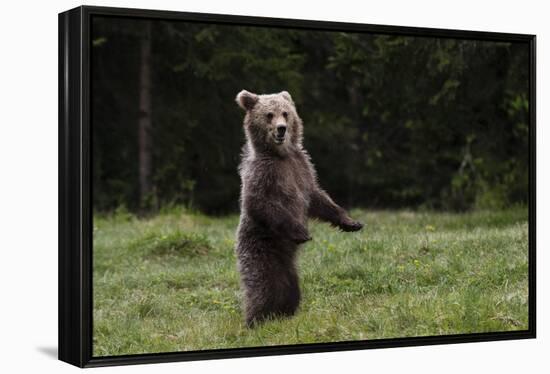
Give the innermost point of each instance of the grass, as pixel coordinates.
(169, 283)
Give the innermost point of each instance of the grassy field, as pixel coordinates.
(169, 283)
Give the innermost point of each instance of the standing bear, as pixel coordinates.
(279, 192)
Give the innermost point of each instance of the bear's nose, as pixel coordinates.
(281, 129)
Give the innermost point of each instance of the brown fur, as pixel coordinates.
(279, 193)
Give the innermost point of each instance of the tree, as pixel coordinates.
(145, 115)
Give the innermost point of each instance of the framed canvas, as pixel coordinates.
(236, 186)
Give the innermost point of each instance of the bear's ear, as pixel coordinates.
(247, 100)
(287, 96)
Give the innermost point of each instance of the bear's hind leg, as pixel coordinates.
(256, 314)
(291, 295)
(285, 305)
(271, 290)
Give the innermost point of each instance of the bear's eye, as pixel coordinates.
(270, 116)
(285, 114)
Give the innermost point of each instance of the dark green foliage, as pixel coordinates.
(390, 121)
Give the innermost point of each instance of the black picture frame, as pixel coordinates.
(75, 212)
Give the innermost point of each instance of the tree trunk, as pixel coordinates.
(145, 122)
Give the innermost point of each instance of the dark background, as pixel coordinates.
(390, 121)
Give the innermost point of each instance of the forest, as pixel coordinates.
(390, 121)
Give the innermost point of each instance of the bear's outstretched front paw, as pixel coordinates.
(301, 236)
(302, 239)
(350, 226)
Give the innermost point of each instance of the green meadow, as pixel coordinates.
(169, 282)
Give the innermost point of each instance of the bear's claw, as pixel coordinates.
(351, 226)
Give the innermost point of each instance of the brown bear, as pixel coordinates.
(279, 192)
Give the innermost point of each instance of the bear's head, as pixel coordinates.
(271, 122)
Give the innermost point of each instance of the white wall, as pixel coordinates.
(28, 187)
